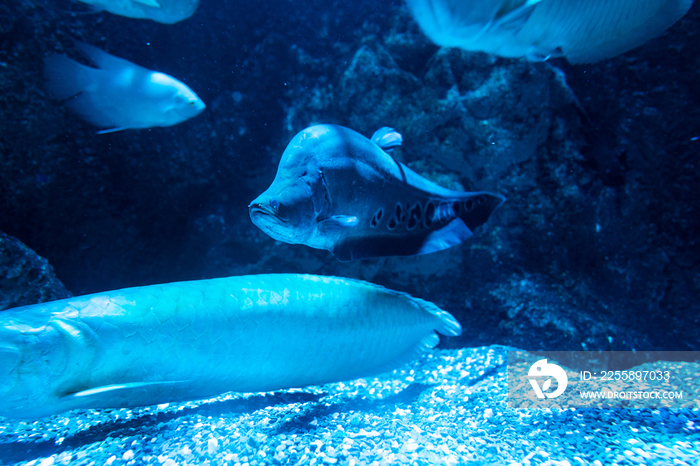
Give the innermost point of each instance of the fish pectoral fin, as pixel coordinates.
(450, 235)
(516, 18)
(344, 221)
(118, 390)
(111, 130)
(151, 3)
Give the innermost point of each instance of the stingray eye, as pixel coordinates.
(274, 203)
(191, 103)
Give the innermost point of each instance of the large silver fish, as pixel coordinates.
(120, 94)
(163, 11)
(337, 190)
(583, 31)
(193, 340)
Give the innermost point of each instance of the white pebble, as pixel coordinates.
(128, 455)
(212, 446)
(488, 412)
(411, 446)
(47, 461)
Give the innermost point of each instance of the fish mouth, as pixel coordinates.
(261, 209)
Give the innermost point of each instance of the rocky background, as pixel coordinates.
(596, 247)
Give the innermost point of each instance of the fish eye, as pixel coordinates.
(274, 203)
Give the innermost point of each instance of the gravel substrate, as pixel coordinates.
(449, 407)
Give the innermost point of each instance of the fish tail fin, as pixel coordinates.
(445, 323)
(471, 209)
(476, 208)
(65, 77)
(651, 21)
(68, 78)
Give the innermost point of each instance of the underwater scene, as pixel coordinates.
(400, 232)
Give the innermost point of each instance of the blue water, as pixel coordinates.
(595, 248)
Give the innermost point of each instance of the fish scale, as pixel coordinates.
(192, 340)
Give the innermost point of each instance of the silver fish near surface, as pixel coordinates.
(193, 340)
(162, 11)
(583, 31)
(337, 190)
(119, 94)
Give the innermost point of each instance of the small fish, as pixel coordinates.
(119, 95)
(337, 190)
(583, 31)
(162, 11)
(193, 340)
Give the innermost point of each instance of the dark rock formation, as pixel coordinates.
(25, 277)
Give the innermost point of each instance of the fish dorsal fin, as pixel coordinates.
(516, 18)
(151, 3)
(387, 138)
(102, 59)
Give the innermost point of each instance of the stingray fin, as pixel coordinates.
(516, 18)
(387, 138)
(116, 390)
